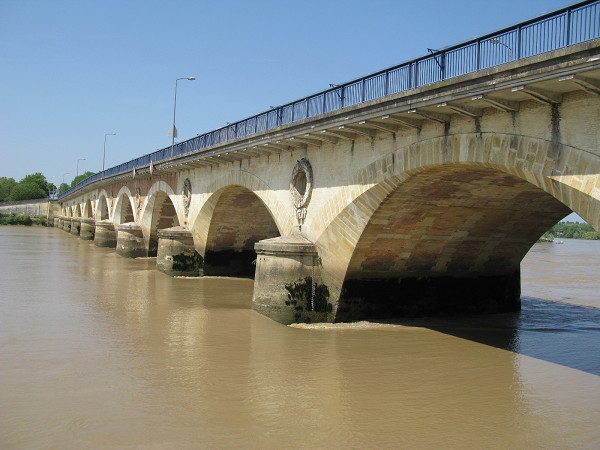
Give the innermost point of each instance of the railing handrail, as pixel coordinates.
(479, 54)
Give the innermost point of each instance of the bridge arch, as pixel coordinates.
(124, 207)
(87, 212)
(414, 216)
(77, 210)
(159, 212)
(102, 207)
(237, 214)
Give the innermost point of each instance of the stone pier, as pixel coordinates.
(130, 240)
(285, 283)
(176, 253)
(75, 226)
(87, 229)
(105, 234)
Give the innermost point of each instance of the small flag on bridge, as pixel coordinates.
(151, 167)
(133, 173)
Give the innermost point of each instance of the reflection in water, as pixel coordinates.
(99, 351)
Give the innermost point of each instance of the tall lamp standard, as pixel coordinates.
(80, 159)
(104, 152)
(174, 130)
(63, 181)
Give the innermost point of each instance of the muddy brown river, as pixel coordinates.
(99, 351)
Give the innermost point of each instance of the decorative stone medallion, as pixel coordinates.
(301, 188)
(187, 195)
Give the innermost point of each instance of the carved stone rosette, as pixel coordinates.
(301, 189)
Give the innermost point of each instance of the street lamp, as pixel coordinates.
(499, 42)
(104, 152)
(80, 159)
(174, 130)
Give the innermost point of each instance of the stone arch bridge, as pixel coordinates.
(421, 202)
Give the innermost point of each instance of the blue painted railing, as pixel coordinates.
(571, 25)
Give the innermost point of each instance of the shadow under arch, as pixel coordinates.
(87, 209)
(400, 232)
(159, 213)
(124, 207)
(77, 212)
(231, 221)
(102, 207)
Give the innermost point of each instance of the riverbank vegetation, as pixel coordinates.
(571, 230)
(21, 219)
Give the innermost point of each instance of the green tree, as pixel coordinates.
(78, 179)
(37, 179)
(27, 191)
(64, 187)
(6, 187)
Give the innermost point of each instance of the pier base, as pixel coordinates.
(285, 286)
(67, 225)
(75, 227)
(105, 234)
(177, 255)
(130, 240)
(87, 229)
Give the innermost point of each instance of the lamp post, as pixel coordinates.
(80, 159)
(63, 182)
(104, 152)
(499, 42)
(174, 130)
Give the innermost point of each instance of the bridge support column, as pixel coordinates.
(56, 222)
(105, 234)
(87, 230)
(75, 226)
(285, 283)
(177, 255)
(67, 225)
(130, 240)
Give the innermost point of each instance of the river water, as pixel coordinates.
(99, 351)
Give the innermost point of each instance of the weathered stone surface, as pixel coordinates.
(130, 240)
(283, 286)
(75, 226)
(176, 253)
(87, 229)
(105, 234)
(67, 224)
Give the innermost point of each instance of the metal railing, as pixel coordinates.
(567, 26)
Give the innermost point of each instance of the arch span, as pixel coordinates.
(159, 213)
(102, 207)
(124, 207)
(231, 221)
(447, 209)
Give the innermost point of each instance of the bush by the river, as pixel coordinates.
(21, 219)
(571, 230)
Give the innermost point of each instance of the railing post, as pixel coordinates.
(385, 87)
(568, 28)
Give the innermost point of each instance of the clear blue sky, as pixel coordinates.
(72, 70)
